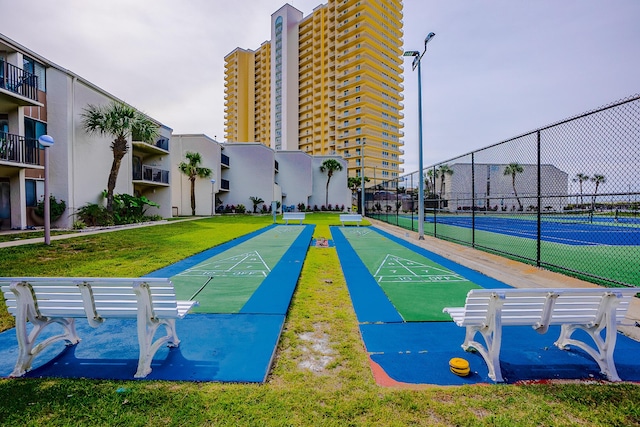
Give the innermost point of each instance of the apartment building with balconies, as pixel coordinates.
(38, 97)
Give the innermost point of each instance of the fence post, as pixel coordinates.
(539, 191)
(439, 200)
(473, 201)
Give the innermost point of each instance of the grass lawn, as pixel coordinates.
(342, 392)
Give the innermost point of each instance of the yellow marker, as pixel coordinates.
(459, 366)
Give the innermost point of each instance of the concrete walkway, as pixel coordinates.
(84, 232)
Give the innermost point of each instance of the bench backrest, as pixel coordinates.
(293, 215)
(545, 306)
(350, 217)
(111, 297)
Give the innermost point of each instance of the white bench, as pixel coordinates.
(293, 216)
(357, 218)
(43, 301)
(591, 309)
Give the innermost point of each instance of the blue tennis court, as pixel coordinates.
(567, 230)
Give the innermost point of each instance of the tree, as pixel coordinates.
(580, 178)
(354, 182)
(121, 122)
(192, 170)
(443, 171)
(596, 179)
(513, 169)
(430, 181)
(329, 165)
(256, 201)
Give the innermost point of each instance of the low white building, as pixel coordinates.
(493, 190)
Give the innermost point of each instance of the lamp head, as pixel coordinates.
(411, 53)
(428, 38)
(46, 141)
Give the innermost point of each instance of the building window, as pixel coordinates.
(31, 66)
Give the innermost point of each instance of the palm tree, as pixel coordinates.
(193, 171)
(329, 165)
(256, 201)
(120, 121)
(443, 171)
(513, 169)
(580, 178)
(597, 179)
(430, 180)
(354, 182)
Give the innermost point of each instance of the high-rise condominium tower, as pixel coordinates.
(327, 83)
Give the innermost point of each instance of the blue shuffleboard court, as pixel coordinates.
(405, 353)
(566, 229)
(237, 345)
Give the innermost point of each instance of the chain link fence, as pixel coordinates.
(565, 197)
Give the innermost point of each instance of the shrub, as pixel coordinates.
(240, 208)
(93, 214)
(301, 207)
(128, 209)
(56, 208)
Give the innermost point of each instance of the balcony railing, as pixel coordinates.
(16, 148)
(151, 174)
(18, 81)
(163, 143)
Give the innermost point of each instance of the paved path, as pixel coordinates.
(85, 232)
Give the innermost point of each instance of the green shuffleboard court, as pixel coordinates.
(225, 282)
(416, 286)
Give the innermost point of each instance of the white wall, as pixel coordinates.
(80, 163)
(294, 177)
(251, 173)
(339, 193)
(210, 151)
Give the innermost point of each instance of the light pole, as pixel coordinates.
(46, 141)
(213, 198)
(362, 179)
(417, 56)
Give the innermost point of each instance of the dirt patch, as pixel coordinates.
(316, 350)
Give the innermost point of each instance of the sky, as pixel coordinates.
(496, 69)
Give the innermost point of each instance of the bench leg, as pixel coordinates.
(490, 353)
(603, 351)
(148, 347)
(148, 324)
(27, 348)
